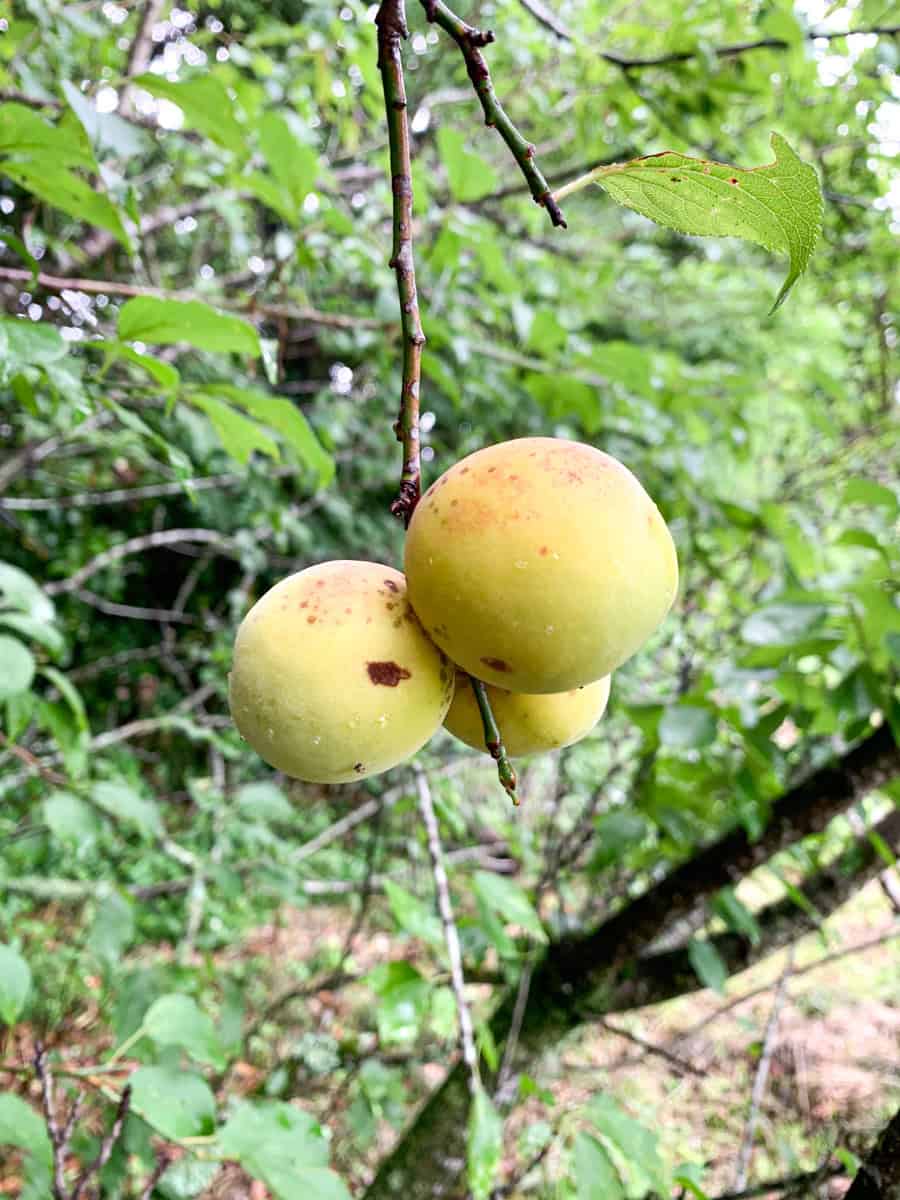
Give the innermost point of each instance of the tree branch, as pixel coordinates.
(451, 933)
(471, 42)
(392, 29)
(738, 48)
(879, 1176)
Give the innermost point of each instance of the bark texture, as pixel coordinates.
(602, 971)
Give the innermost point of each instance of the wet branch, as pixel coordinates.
(392, 30)
(471, 41)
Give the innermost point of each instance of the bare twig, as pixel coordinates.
(547, 17)
(137, 545)
(106, 1146)
(110, 287)
(392, 30)
(680, 1064)
(163, 1162)
(471, 41)
(789, 1183)
(762, 1075)
(451, 933)
(48, 1103)
(151, 491)
(515, 1027)
(493, 740)
(132, 612)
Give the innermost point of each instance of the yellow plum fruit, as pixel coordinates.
(539, 564)
(333, 678)
(529, 724)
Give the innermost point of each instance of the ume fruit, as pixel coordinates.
(333, 678)
(539, 564)
(529, 724)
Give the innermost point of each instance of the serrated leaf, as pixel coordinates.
(16, 667)
(27, 136)
(239, 435)
(507, 899)
(777, 206)
(175, 1103)
(176, 1020)
(707, 963)
(596, 1178)
(484, 1145)
(172, 322)
(15, 984)
(206, 105)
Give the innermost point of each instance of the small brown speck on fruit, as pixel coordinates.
(311, 620)
(496, 664)
(391, 585)
(358, 768)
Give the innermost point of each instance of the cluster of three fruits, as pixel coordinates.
(537, 565)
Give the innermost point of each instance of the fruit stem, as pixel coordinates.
(392, 30)
(494, 741)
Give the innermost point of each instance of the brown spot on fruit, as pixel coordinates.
(358, 768)
(543, 552)
(348, 611)
(386, 674)
(391, 585)
(311, 620)
(464, 471)
(497, 664)
(304, 604)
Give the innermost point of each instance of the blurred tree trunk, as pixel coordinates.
(879, 1176)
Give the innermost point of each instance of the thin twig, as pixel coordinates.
(148, 492)
(392, 30)
(547, 17)
(48, 1104)
(680, 1064)
(493, 740)
(110, 287)
(451, 933)
(137, 545)
(788, 1183)
(163, 1162)
(515, 1027)
(762, 1075)
(471, 42)
(106, 1146)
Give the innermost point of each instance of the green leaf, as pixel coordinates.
(639, 1147)
(206, 105)
(469, 175)
(286, 419)
(403, 994)
(70, 194)
(20, 1126)
(16, 667)
(783, 624)
(736, 915)
(412, 915)
(187, 1178)
(172, 322)
(175, 1103)
(687, 727)
(507, 899)
(46, 635)
(175, 1020)
(70, 819)
(27, 344)
(239, 435)
(105, 131)
(19, 591)
(27, 136)
(778, 206)
(595, 1176)
(263, 801)
(293, 164)
(484, 1146)
(167, 376)
(285, 1148)
(617, 831)
(15, 984)
(112, 928)
(690, 1176)
(123, 803)
(873, 495)
(707, 963)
